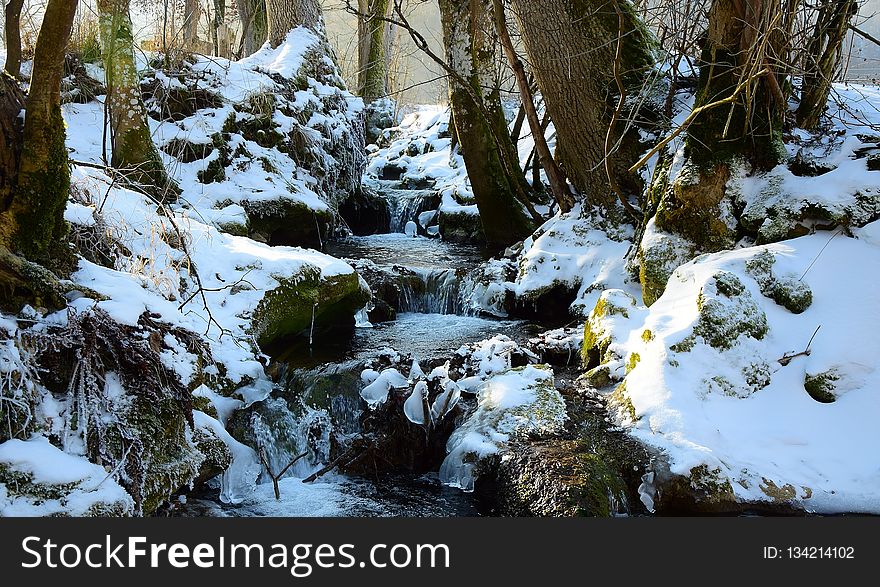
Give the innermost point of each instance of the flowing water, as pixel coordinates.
(321, 386)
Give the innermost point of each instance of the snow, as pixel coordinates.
(772, 432)
(91, 487)
(514, 403)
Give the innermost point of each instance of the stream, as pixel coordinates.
(320, 387)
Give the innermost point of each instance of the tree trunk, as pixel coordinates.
(192, 11)
(571, 48)
(133, 151)
(12, 31)
(558, 182)
(33, 224)
(253, 25)
(489, 154)
(219, 30)
(823, 57)
(12, 102)
(739, 44)
(285, 15)
(372, 70)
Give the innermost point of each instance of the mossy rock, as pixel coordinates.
(461, 227)
(305, 299)
(787, 291)
(21, 484)
(728, 311)
(288, 222)
(217, 455)
(659, 257)
(822, 386)
(365, 212)
(597, 337)
(694, 207)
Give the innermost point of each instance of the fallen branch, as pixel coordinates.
(787, 358)
(275, 478)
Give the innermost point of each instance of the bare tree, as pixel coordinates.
(489, 155)
(192, 10)
(252, 14)
(33, 222)
(571, 47)
(823, 54)
(133, 151)
(12, 31)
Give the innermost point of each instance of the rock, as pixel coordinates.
(288, 222)
(217, 455)
(728, 311)
(306, 300)
(660, 254)
(822, 387)
(461, 227)
(379, 116)
(787, 291)
(365, 212)
(599, 328)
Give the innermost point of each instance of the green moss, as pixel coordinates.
(788, 291)
(632, 361)
(780, 494)
(599, 377)
(710, 485)
(289, 222)
(597, 337)
(647, 336)
(620, 400)
(727, 311)
(821, 386)
(288, 309)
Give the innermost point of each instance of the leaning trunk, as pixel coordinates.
(12, 31)
(133, 151)
(571, 46)
(33, 224)
(285, 15)
(489, 155)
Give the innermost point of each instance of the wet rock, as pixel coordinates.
(461, 227)
(365, 212)
(288, 222)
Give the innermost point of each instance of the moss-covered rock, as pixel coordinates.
(660, 254)
(728, 311)
(598, 332)
(288, 222)
(461, 227)
(787, 291)
(307, 299)
(822, 386)
(217, 455)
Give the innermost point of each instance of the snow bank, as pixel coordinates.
(717, 379)
(38, 479)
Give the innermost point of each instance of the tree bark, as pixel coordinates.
(192, 11)
(133, 151)
(33, 224)
(489, 154)
(285, 15)
(253, 25)
(372, 66)
(558, 183)
(571, 48)
(823, 54)
(12, 102)
(12, 31)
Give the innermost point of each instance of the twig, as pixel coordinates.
(275, 478)
(787, 358)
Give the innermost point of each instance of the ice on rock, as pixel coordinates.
(414, 406)
(412, 229)
(517, 402)
(447, 400)
(376, 392)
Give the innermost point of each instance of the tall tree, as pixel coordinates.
(133, 151)
(192, 10)
(493, 167)
(252, 14)
(372, 59)
(33, 221)
(12, 32)
(282, 16)
(739, 110)
(823, 53)
(572, 46)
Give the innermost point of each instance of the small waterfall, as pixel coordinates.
(435, 291)
(283, 435)
(406, 205)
